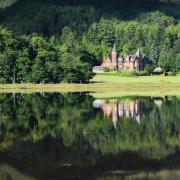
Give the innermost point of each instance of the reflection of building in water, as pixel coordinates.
(158, 102)
(121, 109)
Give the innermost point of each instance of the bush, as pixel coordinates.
(106, 69)
(127, 73)
(171, 73)
(143, 73)
(2, 81)
(149, 68)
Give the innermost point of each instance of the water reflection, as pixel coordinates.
(57, 136)
(124, 108)
(121, 109)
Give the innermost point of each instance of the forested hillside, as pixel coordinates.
(48, 17)
(54, 41)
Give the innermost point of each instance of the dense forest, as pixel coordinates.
(54, 41)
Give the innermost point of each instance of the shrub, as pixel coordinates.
(143, 73)
(127, 73)
(106, 69)
(149, 68)
(2, 81)
(171, 73)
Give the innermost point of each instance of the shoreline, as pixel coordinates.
(114, 85)
(114, 88)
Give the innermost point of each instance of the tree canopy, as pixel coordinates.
(54, 41)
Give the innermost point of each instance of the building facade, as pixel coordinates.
(116, 62)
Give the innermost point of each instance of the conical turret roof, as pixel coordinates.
(138, 53)
(114, 48)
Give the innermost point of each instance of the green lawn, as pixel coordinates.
(141, 80)
(137, 86)
(105, 85)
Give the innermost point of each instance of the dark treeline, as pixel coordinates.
(49, 17)
(38, 60)
(98, 3)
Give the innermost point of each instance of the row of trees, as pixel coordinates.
(38, 60)
(157, 35)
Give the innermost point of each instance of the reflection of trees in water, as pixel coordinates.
(8, 172)
(155, 133)
(148, 126)
(63, 131)
(35, 116)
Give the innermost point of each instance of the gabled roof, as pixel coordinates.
(138, 53)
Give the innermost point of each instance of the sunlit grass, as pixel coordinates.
(156, 80)
(107, 86)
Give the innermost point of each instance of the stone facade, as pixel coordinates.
(115, 62)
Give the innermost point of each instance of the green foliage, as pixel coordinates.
(127, 73)
(143, 73)
(157, 18)
(167, 61)
(71, 39)
(6, 3)
(35, 117)
(34, 59)
(153, 38)
(149, 68)
(106, 69)
(48, 17)
(171, 73)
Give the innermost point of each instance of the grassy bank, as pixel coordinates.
(139, 86)
(109, 85)
(139, 80)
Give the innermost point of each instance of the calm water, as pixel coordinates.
(75, 136)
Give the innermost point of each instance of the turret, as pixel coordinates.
(138, 58)
(138, 53)
(114, 48)
(114, 58)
